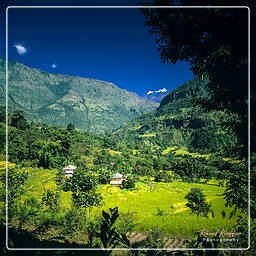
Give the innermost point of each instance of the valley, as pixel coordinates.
(127, 130)
(163, 156)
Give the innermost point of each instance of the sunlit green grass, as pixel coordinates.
(145, 201)
(169, 198)
(147, 135)
(183, 151)
(39, 181)
(114, 152)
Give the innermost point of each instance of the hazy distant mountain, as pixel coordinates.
(57, 99)
(156, 96)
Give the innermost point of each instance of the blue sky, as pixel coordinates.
(107, 44)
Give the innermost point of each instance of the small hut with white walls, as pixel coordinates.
(117, 180)
(69, 170)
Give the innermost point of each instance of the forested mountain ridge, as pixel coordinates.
(181, 121)
(57, 99)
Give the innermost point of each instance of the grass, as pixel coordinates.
(231, 160)
(146, 202)
(135, 128)
(183, 151)
(169, 198)
(168, 150)
(147, 135)
(114, 152)
(38, 182)
(41, 180)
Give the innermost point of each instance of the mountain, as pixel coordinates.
(180, 121)
(156, 96)
(57, 99)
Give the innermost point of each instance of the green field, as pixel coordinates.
(156, 204)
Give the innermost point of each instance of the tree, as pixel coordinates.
(51, 199)
(104, 175)
(83, 187)
(236, 192)
(2, 114)
(48, 152)
(17, 146)
(15, 188)
(86, 199)
(197, 202)
(70, 127)
(214, 41)
(18, 120)
(82, 181)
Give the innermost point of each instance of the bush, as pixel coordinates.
(82, 182)
(129, 183)
(51, 199)
(73, 221)
(126, 222)
(162, 176)
(197, 202)
(160, 212)
(86, 199)
(46, 221)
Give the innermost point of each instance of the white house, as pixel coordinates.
(117, 180)
(69, 170)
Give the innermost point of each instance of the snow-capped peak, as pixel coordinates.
(162, 90)
(149, 92)
(157, 95)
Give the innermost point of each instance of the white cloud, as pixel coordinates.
(149, 92)
(54, 65)
(162, 90)
(20, 48)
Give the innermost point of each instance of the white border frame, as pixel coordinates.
(126, 249)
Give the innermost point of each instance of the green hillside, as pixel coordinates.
(164, 156)
(152, 198)
(56, 99)
(181, 122)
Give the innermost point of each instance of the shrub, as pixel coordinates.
(126, 222)
(129, 183)
(86, 199)
(73, 221)
(82, 181)
(51, 199)
(163, 176)
(197, 202)
(160, 212)
(109, 237)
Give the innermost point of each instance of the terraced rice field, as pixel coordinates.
(153, 204)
